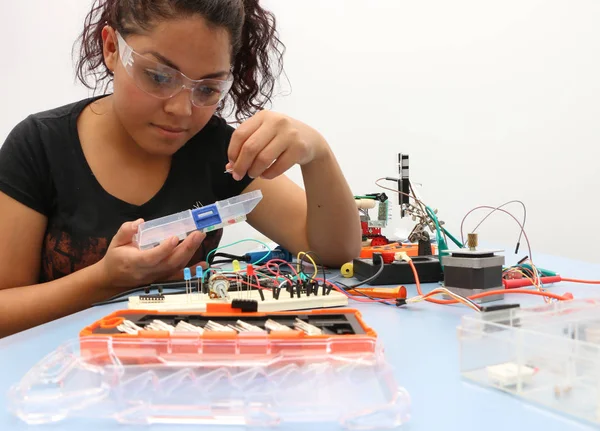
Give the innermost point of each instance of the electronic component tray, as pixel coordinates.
(255, 381)
(548, 355)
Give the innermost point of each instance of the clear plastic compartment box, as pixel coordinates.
(207, 218)
(548, 355)
(347, 391)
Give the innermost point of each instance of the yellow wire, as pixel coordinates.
(534, 281)
(310, 259)
(444, 291)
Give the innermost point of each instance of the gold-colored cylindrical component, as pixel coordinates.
(472, 241)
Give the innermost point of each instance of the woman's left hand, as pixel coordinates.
(268, 144)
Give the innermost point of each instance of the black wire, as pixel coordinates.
(367, 280)
(230, 256)
(308, 253)
(346, 287)
(371, 298)
(216, 262)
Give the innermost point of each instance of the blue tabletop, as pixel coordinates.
(420, 343)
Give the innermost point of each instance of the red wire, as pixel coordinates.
(575, 280)
(278, 273)
(484, 294)
(355, 298)
(419, 291)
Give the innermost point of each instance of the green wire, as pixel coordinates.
(454, 240)
(442, 245)
(301, 276)
(441, 242)
(235, 243)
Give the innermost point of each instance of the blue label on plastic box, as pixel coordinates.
(206, 216)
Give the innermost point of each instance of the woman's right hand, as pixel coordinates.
(125, 266)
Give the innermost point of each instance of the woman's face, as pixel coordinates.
(199, 51)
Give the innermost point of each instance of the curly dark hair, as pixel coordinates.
(257, 51)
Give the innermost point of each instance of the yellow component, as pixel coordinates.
(347, 270)
(236, 266)
(472, 241)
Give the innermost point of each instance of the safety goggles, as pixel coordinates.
(164, 82)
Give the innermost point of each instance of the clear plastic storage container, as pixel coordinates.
(348, 391)
(205, 219)
(548, 355)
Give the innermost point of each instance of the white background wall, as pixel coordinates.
(492, 100)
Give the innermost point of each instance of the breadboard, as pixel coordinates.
(198, 301)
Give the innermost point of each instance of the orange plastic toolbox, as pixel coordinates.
(297, 335)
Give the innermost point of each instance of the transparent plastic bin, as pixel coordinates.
(547, 355)
(205, 219)
(348, 391)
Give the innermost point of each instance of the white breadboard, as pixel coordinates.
(197, 302)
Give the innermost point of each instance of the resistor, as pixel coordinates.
(365, 204)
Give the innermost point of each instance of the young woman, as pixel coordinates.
(76, 181)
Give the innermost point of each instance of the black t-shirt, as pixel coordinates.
(42, 165)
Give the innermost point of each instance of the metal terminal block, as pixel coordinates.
(272, 325)
(307, 327)
(187, 327)
(159, 325)
(129, 327)
(214, 326)
(242, 326)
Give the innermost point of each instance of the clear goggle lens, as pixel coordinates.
(164, 82)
